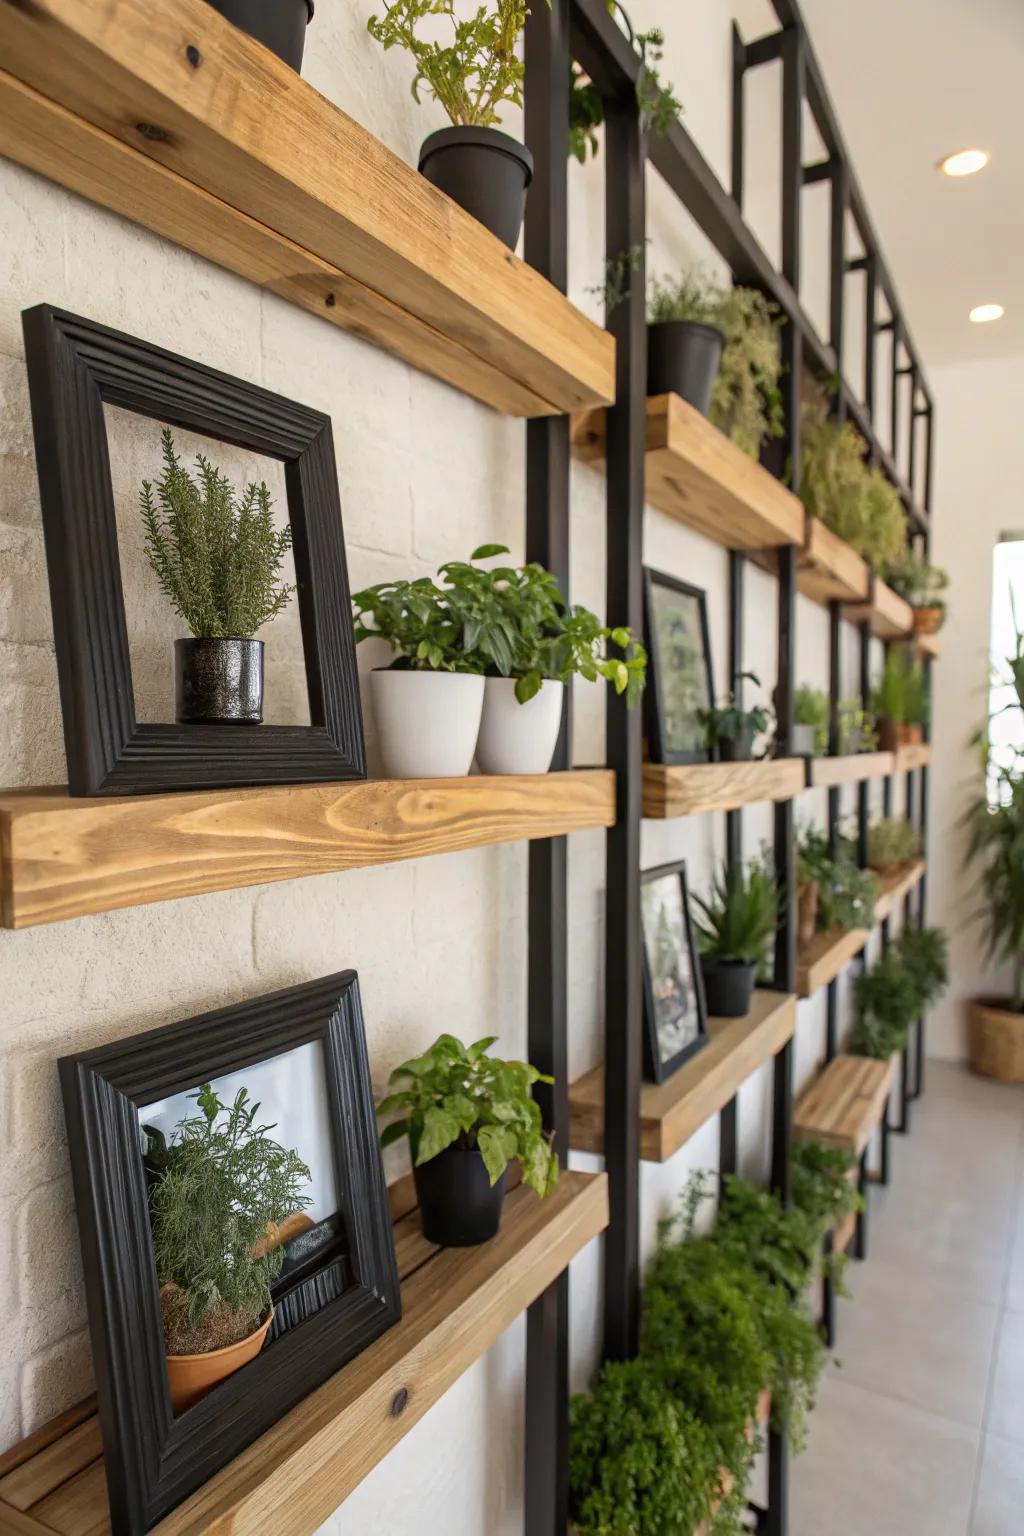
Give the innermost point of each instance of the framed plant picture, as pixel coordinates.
(76, 368)
(680, 684)
(236, 1238)
(675, 1015)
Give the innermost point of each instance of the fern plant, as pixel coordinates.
(216, 556)
(473, 73)
(887, 1000)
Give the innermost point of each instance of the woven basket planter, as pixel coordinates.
(996, 1039)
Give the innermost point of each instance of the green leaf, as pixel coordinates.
(528, 687)
(394, 1101)
(497, 1146)
(439, 1131)
(485, 551)
(395, 1132)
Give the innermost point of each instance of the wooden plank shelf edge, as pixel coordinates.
(889, 617)
(909, 758)
(894, 885)
(685, 790)
(62, 857)
(455, 1304)
(831, 771)
(671, 1112)
(844, 1104)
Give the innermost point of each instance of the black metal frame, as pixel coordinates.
(657, 1070)
(74, 367)
(654, 712)
(155, 1460)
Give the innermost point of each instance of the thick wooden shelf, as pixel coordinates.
(62, 858)
(928, 645)
(455, 1303)
(909, 758)
(697, 475)
(820, 962)
(671, 1112)
(828, 568)
(845, 1103)
(832, 771)
(895, 884)
(683, 791)
(240, 160)
(889, 617)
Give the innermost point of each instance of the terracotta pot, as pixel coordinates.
(190, 1377)
(928, 621)
(996, 1039)
(892, 736)
(807, 911)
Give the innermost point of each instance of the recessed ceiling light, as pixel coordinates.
(965, 162)
(982, 313)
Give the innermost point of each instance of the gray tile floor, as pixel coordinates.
(919, 1431)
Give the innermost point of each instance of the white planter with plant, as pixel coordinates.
(519, 737)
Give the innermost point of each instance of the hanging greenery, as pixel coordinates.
(837, 486)
(658, 104)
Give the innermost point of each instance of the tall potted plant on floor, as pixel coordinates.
(735, 923)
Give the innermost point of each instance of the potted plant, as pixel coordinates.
(658, 105)
(734, 925)
(219, 1194)
(900, 702)
(470, 74)
(837, 486)
(887, 1000)
(217, 557)
(856, 729)
(892, 842)
(467, 1114)
(279, 25)
(810, 721)
(921, 584)
(847, 896)
(813, 869)
(730, 730)
(685, 341)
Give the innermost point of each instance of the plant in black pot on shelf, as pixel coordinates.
(730, 730)
(279, 25)
(735, 923)
(217, 557)
(470, 73)
(467, 1115)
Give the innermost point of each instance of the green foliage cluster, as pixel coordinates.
(659, 107)
(891, 841)
(917, 581)
(901, 694)
(738, 917)
(823, 1191)
(216, 556)
(925, 954)
(846, 894)
(856, 729)
(896, 990)
(475, 72)
(856, 732)
(811, 707)
(220, 1183)
(460, 1095)
(506, 621)
(837, 486)
(730, 722)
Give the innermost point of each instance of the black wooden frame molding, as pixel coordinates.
(74, 367)
(657, 1070)
(153, 1459)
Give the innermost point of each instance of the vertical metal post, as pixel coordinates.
(860, 1239)
(546, 1509)
(739, 66)
(865, 699)
(870, 332)
(835, 677)
(894, 404)
(625, 229)
(737, 565)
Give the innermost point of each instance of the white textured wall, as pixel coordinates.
(425, 475)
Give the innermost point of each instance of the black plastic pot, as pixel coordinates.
(219, 682)
(485, 172)
(728, 986)
(736, 749)
(279, 25)
(459, 1207)
(683, 358)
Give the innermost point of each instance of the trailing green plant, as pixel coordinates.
(476, 71)
(739, 915)
(659, 107)
(856, 729)
(506, 621)
(730, 722)
(811, 707)
(893, 840)
(846, 894)
(837, 486)
(917, 581)
(925, 954)
(821, 1186)
(618, 278)
(216, 555)
(457, 1095)
(901, 694)
(887, 1000)
(222, 1184)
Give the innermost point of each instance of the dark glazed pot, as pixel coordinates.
(728, 986)
(458, 1205)
(485, 172)
(683, 357)
(219, 682)
(736, 749)
(279, 25)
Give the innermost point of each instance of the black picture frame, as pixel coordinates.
(154, 1460)
(659, 747)
(74, 367)
(658, 1067)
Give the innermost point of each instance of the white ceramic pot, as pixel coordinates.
(514, 737)
(427, 722)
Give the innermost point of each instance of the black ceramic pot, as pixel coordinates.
(485, 172)
(279, 25)
(458, 1205)
(728, 986)
(682, 359)
(219, 682)
(736, 749)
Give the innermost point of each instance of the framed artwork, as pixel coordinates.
(680, 685)
(210, 1126)
(75, 367)
(675, 1015)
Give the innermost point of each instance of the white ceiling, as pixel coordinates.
(912, 81)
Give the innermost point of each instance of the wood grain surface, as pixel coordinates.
(685, 790)
(845, 1103)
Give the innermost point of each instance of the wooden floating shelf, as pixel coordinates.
(455, 1304)
(697, 475)
(671, 1112)
(832, 771)
(62, 857)
(909, 758)
(683, 791)
(845, 1104)
(102, 98)
(889, 617)
(828, 569)
(895, 884)
(820, 962)
(927, 645)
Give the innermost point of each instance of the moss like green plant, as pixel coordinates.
(836, 485)
(891, 841)
(917, 581)
(887, 1000)
(217, 556)
(472, 73)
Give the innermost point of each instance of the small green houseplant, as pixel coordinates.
(730, 730)
(467, 1115)
(837, 486)
(856, 729)
(217, 557)
(735, 923)
(223, 1185)
(891, 842)
(810, 721)
(899, 701)
(887, 1000)
(471, 73)
(922, 585)
(658, 105)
